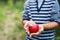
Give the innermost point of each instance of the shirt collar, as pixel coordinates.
(40, 3)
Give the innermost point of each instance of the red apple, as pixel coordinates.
(33, 29)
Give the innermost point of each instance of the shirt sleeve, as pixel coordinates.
(26, 11)
(56, 15)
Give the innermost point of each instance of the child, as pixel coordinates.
(45, 13)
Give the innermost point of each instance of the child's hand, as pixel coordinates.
(26, 26)
(41, 29)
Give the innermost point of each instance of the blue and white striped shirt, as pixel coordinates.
(43, 12)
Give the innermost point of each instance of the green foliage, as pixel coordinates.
(19, 29)
(2, 15)
(58, 31)
(1, 28)
(19, 5)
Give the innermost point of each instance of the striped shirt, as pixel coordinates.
(41, 13)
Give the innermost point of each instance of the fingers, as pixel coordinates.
(41, 29)
(34, 34)
(32, 23)
(29, 23)
(27, 30)
(26, 25)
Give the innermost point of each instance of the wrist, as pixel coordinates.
(42, 27)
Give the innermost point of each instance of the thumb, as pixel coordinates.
(32, 34)
(28, 31)
(26, 25)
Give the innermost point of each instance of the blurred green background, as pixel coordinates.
(11, 28)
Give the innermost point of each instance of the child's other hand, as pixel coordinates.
(41, 29)
(26, 26)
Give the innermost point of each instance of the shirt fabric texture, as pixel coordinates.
(42, 12)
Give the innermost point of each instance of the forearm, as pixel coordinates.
(51, 25)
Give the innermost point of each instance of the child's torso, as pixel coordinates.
(41, 15)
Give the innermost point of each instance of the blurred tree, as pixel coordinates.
(10, 2)
(14, 1)
(3, 1)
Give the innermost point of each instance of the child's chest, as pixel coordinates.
(40, 5)
(40, 10)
